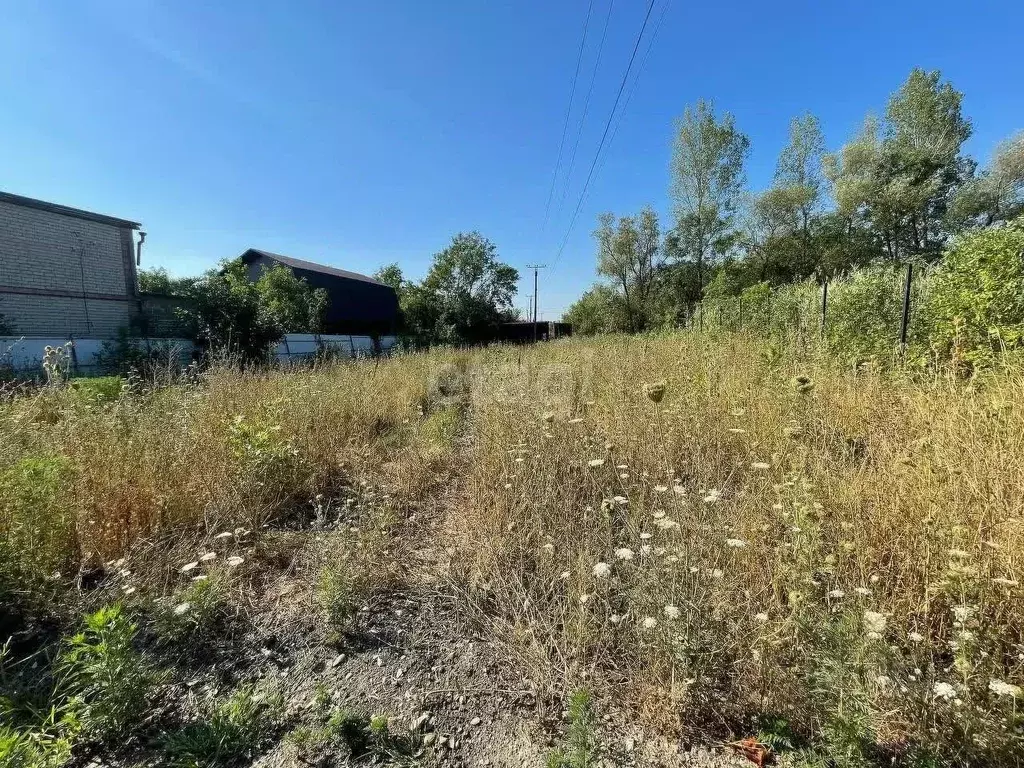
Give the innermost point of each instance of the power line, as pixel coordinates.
(568, 113)
(604, 136)
(639, 74)
(586, 107)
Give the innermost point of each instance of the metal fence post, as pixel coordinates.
(905, 324)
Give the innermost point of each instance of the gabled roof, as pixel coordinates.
(41, 205)
(309, 266)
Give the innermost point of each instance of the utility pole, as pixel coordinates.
(535, 267)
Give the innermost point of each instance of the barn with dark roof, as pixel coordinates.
(357, 304)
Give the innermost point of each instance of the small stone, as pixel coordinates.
(421, 723)
(429, 739)
(475, 721)
(337, 659)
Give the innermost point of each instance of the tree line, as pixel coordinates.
(899, 190)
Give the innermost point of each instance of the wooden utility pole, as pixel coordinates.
(535, 268)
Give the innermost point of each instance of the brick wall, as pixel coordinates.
(60, 316)
(43, 251)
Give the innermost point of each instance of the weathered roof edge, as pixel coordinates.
(42, 205)
(311, 266)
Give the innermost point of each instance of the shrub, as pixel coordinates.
(978, 298)
(230, 731)
(37, 525)
(103, 683)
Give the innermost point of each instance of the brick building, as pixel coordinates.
(65, 272)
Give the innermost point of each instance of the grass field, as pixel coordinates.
(721, 536)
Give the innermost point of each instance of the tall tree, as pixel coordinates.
(899, 177)
(797, 190)
(467, 293)
(997, 193)
(629, 252)
(707, 179)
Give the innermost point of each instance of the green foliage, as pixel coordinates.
(27, 749)
(600, 310)
(630, 255)
(230, 732)
(98, 390)
(37, 526)
(195, 612)
(236, 316)
(977, 300)
(581, 748)
(158, 282)
(361, 736)
(102, 678)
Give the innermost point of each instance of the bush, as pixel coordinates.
(102, 680)
(230, 732)
(978, 298)
(37, 525)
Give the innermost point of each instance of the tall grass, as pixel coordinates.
(703, 528)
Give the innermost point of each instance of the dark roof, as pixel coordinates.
(310, 266)
(28, 202)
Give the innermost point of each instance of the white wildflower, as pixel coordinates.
(962, 613)
(760, 465)
(649, 623)
(602, 570)
(190, 566)
(671, 612)
(665, 524)
(862, 591)
(208, 557)
(224, 535)
(762, 618)
(661, 488)
(679, 489)
(658, 514)
(915, 637)
(596, 462)
(615, 618)
(716, 573)
(620, 500)
(874, 624)
(549, 548)
(944, 691)
(1000, 688)
(1004, 582)
(837, 594)
(645, 536)
(182, 609)
(712, 496)
(235, 560)
(564, 575)
(624, 553)
(735, 543)
(584, 598)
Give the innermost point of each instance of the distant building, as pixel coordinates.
(357, 304)
(65, 272)
(526, 331)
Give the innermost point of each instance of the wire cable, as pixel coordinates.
(604, 136)
(568, 113)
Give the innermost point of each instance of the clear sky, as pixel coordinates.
(358, 134)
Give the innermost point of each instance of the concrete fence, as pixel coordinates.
(24, 354)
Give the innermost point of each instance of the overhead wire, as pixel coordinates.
(604, 135)
(568, 113)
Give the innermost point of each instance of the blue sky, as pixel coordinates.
(363, 133)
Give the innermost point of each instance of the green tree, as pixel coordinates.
(898, 177)
(229, 313)
(997, 193)
(465, 296)
(158, 282)
(976, 300)
(599, 310)
(629, 253)
(707, 179)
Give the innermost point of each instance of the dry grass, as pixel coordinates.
(841, 552)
